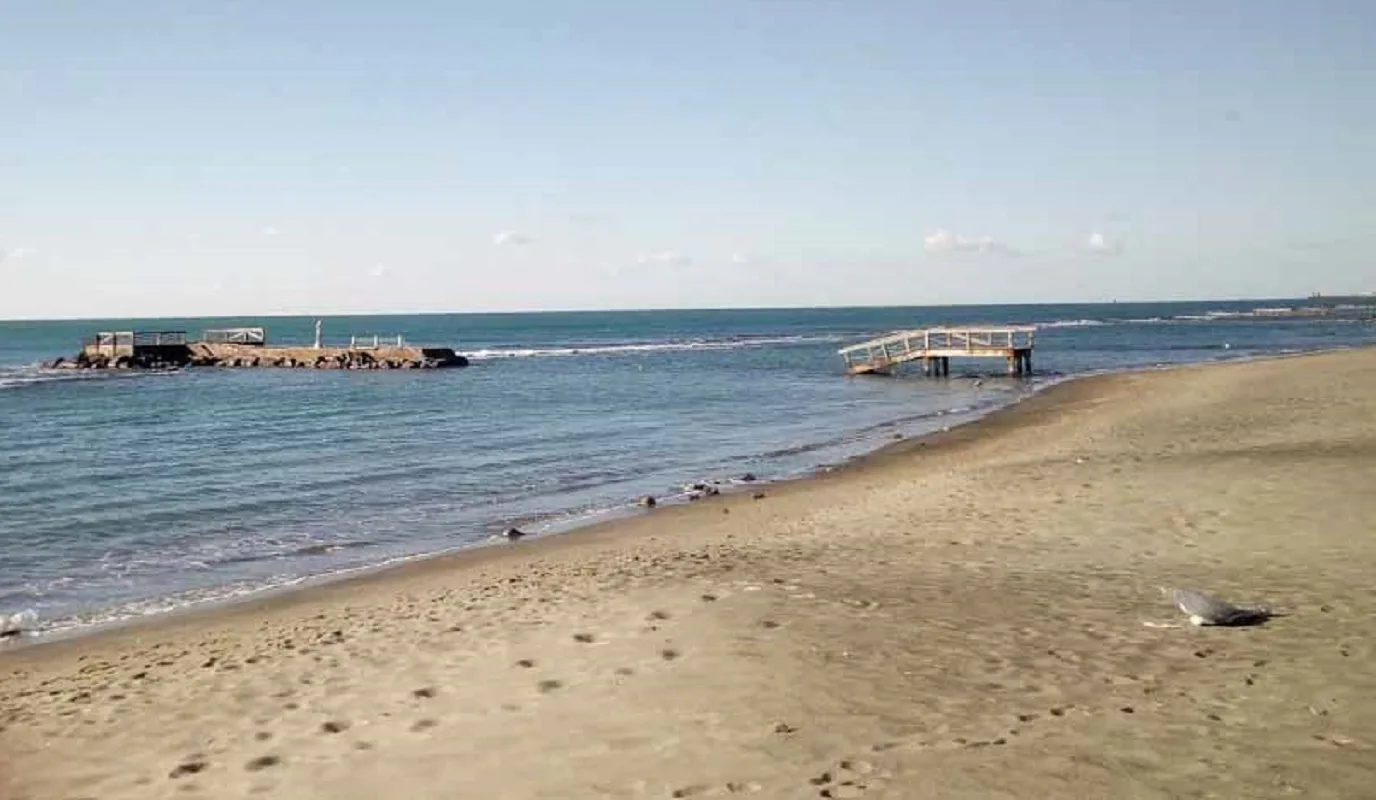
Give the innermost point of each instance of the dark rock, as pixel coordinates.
(513, 534)
(748, 477)
(648, 501)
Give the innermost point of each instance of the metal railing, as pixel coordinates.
(113, 339)
(249, 336)
(374, 342)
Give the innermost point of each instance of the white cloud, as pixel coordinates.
(378, 270)
(671, 258)
(268, 230)
(740, 258)
(14, 254)
(943, 241)
(1098, 243)
(505, 238)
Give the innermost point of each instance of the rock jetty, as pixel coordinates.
(207, 354)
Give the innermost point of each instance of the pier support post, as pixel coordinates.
(946, 366)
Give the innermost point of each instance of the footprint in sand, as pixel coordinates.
(584, 638)
(668, 654)
(731, 787)
(852, 777)
(423, 725)
(188, 767)
(424, 694)
(262, 762)
(549, 685)
(658, 615)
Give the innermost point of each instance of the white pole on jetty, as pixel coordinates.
(317, 334)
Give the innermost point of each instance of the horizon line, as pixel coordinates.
(662, 309)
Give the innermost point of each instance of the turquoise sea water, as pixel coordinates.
(124, 494)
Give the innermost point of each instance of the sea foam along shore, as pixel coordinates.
(956, 616)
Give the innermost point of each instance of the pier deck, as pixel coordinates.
(935, 347)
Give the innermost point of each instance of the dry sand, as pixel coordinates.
(958, 617)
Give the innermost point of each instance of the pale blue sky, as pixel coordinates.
(200, 157)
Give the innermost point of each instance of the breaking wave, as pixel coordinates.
(487, 354)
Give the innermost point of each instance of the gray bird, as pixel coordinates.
(1206, 609)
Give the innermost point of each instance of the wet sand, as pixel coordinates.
(961, 616)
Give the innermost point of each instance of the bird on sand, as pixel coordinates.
(1206, 609)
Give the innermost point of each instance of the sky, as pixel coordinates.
(203, 157)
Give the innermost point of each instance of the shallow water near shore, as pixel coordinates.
(124, 494)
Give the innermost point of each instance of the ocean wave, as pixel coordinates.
(17, 623)
(488, 354)
(1073, 323)
(24, 377)
(314, 549)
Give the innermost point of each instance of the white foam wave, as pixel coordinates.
(11, 378)
(645, 347)
(1072, 323)
(14, 624)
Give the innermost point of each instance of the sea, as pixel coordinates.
(125, 494)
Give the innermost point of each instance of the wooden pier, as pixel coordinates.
(935, 347)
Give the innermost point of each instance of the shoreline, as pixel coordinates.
(608, 519)
(491, 549)
(972, 613)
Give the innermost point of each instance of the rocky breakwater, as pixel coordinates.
(222, 355)
(204, 354)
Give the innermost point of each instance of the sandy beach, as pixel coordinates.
(975, 614)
